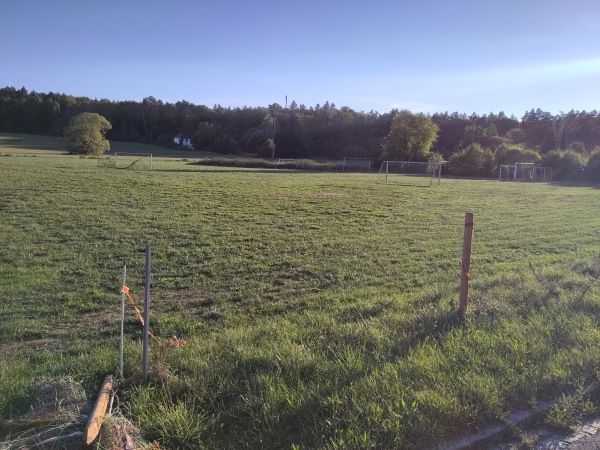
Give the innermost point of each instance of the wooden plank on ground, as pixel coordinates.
(97, 416)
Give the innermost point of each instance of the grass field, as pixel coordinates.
(318, 308)
(30, 145)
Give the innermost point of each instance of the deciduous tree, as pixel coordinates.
(411, 137)
(85, 134)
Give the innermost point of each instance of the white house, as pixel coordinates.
(184, 142)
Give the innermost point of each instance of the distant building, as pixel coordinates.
(184, 142)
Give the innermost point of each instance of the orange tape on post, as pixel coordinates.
(139, 314)
(173, 342)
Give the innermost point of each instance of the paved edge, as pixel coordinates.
(497, 430)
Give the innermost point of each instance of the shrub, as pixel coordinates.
(578, 147)
(267, 150)
(566, 165)
(435, 157)
(473, 161)
(260, 163)
(514, 153)
(592, 169)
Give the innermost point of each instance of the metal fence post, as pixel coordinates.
(148, 276)
(122, 320)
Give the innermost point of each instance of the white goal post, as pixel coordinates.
(127, 160)
(410, 173)
(356, 164)
(524, 172)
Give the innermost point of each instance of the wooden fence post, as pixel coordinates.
(465, 277)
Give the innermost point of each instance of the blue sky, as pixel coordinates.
(428, 56)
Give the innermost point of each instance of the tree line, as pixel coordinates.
(298, 131)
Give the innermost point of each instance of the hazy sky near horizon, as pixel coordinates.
(426, 56)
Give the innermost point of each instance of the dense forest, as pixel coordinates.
(297, 131)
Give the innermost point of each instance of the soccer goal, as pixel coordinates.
(410, 173)
(524, 172)
(356, 164)
(542, 173)
(108, 162)
(124, 160)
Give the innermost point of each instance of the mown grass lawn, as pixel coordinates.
(319, 308)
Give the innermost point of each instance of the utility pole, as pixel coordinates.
(273, 151)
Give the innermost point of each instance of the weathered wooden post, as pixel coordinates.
(465, 277)
(148, 276)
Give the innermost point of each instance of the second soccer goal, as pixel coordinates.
(409, 173)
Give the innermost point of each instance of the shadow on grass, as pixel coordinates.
(232, 170)
(576, 184)
(45, 143)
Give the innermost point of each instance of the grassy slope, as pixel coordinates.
(318, 308)
(27, 144)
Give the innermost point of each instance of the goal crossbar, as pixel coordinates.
(524, 172)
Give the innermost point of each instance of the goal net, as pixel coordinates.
(124, 160)
(410, 173)
(524, 172)
(356, 164)
(542, 173)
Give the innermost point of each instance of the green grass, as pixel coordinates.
(13, 144)
(319, 308)
(26, 144)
